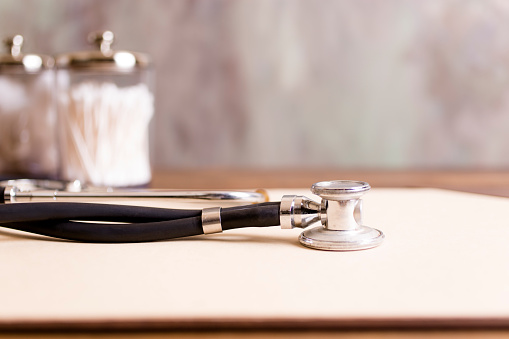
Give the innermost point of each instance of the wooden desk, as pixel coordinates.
(495, 183)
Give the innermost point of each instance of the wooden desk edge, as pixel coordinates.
(483, 182)
(268, 324)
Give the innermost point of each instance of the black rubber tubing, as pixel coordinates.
(86, 211)
(112, 233)
(151, 224)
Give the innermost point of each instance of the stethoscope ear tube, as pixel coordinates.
(58, 211)
(112, 233)
(66, 221)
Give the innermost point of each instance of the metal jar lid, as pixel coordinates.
(14, 61)
(104, 58)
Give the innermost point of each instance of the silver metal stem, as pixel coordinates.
(298, 211)
(17, 191)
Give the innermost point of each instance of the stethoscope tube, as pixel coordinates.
(74, 221)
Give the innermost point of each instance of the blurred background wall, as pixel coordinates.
(289, 83)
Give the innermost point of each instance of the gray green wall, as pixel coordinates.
(280, 84)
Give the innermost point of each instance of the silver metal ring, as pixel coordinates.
(286, 212)
(211, 220)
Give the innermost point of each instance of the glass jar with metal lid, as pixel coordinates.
(27, 113)
(105, 104)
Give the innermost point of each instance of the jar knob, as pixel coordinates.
(103, 40)
(14, 44)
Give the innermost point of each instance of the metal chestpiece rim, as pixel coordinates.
(340, 213)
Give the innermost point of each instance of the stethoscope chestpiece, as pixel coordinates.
(340, 215)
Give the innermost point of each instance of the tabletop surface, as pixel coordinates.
(493, 183)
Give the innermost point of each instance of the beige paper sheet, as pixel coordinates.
(445, 256)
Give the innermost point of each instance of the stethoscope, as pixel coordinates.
(339, 212)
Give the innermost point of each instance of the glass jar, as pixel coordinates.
(105, 104)
(27, 114)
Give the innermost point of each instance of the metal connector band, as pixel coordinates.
(211, 220)
(298, 211)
